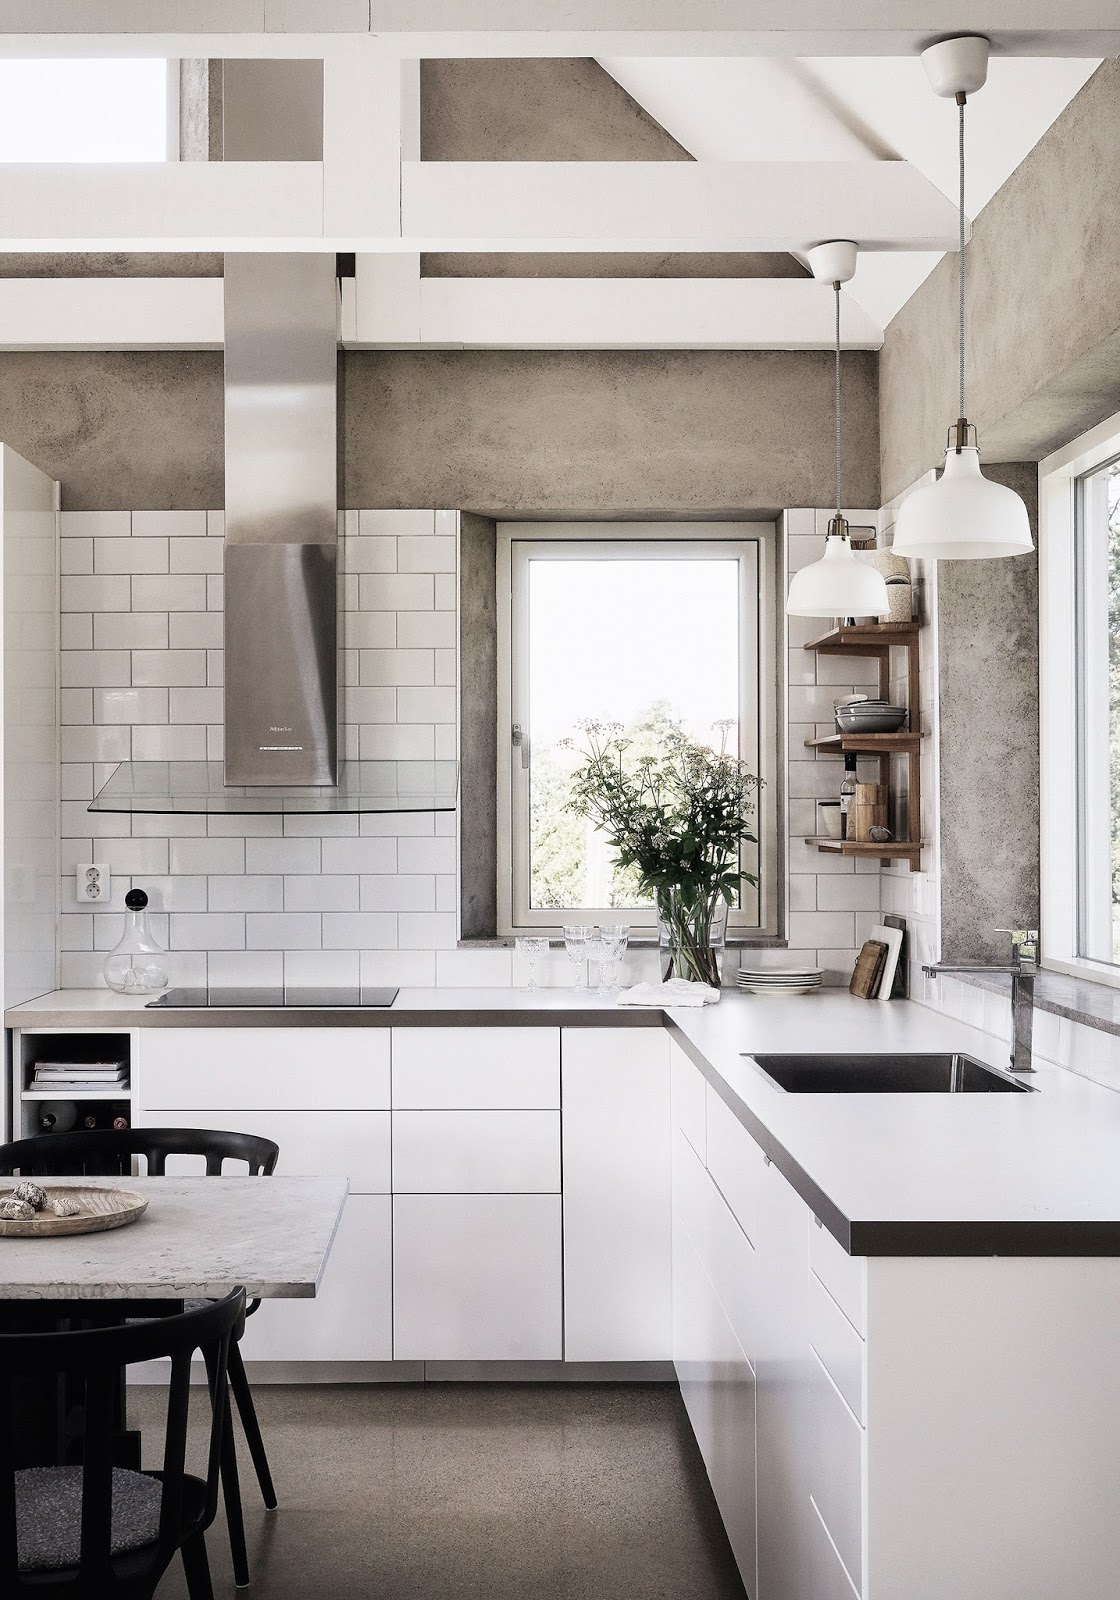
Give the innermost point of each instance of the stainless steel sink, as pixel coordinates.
(886, 1074)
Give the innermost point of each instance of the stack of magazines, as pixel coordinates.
(65, 1078)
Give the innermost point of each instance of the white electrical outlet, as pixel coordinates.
(92, 882)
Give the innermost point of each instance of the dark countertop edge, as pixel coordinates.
(745, 941)
(334, 1017)
(866, 1237)
(1094, 1005)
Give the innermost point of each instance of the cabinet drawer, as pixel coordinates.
(350, 1319)
(447, 1069)
(477, 1277)
(827, 1578)
(731, 1268)
(837, 1343)
(841, 1274)
(476, 1152)
(836, 1469)
(734, 1161)
(245, 1069)
(691, 1186)
(687, 1089)
(345, 1144)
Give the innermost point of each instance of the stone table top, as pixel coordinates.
(198, 1239)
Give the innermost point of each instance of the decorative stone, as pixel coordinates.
(35, 1196)
(13, 1210)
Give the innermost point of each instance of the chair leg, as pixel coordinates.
(239, 1383)
(231, 1494)
(197, 1569)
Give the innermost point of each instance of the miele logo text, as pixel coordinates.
(279, 730)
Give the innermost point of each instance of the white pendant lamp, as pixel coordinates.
(838, 585)
(963, 516)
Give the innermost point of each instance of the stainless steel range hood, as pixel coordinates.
(281, 574)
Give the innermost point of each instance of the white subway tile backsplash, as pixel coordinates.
(427, 930)
(196, 705)
(194, 555)
(315, 969)
(173, 592)
(396, 667)
(129, 705)
(362, 930)
(246, 892)
(426, 705)
(96, 594)
(284, 855)
(169, 524)
(358, 855)
(168, 743)
(446, 592)
(130, 630)
(130, 555)
(396, 891)
(411, 968)
(466, 968)
(194, 630)
(859, 892)
(283, 930)
(95, 524)
(370, 553)
(177, 668)
(426, 855)
(75, 557)
(320, 892)
(405, 742)
(432, 554)
(75, 705)
(245, 969)
(207, 931)
(390, 592)
(372, 630)
(208, 856)
(419, 630)
(76, 631)
(94, 744)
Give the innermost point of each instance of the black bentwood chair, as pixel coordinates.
(94, 1531)
(109, 1153)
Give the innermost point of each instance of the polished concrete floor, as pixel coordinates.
(474, 1492)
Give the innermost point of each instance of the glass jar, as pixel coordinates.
(691, 931)
(136, 966)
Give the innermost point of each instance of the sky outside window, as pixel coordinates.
(89, 110)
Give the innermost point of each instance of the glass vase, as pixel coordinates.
(691, 931)
(137, 964)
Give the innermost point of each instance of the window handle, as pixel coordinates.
(520, 741)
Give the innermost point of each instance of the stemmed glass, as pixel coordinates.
(532, 949)
(614, 936)
(576, 938)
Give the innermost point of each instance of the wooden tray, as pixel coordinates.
(101, 1209)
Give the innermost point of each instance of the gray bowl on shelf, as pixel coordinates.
(869, 717)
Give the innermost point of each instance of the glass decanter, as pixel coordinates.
(136, 966)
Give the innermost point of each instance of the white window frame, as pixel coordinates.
(753, 544)
(1062, 700)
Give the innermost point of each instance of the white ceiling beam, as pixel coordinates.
(634, 314)
(477, 206)
(388, 306)
(670, 205)
(559, 27)
(111, 313)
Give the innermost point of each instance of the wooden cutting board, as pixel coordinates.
(100, 1209)
(868, 970)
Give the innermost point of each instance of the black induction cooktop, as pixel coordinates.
(302, 998)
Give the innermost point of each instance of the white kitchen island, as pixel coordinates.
(894, 1319)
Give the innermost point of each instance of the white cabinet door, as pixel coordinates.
(617, 1212)
(475, 1069)
(347, 1144)
(688, 1087)
(350, 1319)
(288, 1069)
(476, 1152)
(717, 1386)
(477, 1277)
(782, 1399)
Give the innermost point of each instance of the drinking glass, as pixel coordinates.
(615, 936)
(597, 950)
(531, 950)
(576, 936)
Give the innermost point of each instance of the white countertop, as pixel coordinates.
(940, 1174)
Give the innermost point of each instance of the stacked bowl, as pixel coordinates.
(869, 716)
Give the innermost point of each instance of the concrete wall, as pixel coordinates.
(610, 432)
(989, 756)
(1043, 286)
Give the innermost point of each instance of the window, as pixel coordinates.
(84, 110)
(642, 627)
(1079, 661)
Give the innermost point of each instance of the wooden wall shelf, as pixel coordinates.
(877, 640)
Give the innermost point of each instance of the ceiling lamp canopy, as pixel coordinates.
(962, 516)
(839, 584)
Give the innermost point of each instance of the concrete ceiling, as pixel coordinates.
(848, 108)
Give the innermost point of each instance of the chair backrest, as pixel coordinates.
(92, 1361)
(108, 1152)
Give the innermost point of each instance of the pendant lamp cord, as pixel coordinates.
(960, 263)
(836, 286)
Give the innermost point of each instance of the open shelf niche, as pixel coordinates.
(876, 640)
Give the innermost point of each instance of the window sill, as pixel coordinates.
(1094, 1005)
(639, 941)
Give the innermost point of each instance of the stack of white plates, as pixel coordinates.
(773, 980)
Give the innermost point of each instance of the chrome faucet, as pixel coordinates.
(1022, 968)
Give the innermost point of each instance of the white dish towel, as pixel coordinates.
(677, 992)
